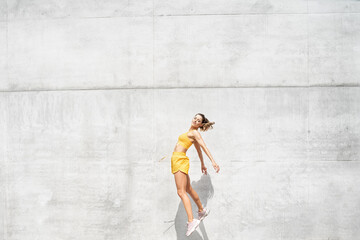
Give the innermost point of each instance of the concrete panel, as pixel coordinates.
(3, 194)
(258, 124)
(35, 9)
(285, 200)
(334, 49)
(334, 200)
(336, 6)
(285, 51)
(3, 10)
(3, 54)
(83, 53)
(334, 125)
(78, 162)
(208, 50)
(3, 163)
(246, 50)
(188, 7)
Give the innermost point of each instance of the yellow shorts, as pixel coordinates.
(179, 161)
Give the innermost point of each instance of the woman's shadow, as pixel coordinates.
(205, 190)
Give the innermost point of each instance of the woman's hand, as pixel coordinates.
(216, 167)
(203, 169)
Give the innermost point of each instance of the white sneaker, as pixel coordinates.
(203, 213)
(191, 226)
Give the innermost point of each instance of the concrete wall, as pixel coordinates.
(95, 93)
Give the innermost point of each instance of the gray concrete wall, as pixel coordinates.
(95, 93)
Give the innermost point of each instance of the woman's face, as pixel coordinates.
(196, 121)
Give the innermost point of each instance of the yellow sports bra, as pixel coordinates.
(184, 140)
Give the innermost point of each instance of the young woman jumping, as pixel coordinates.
(180, 168)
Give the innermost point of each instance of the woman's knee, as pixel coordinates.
(181, 192)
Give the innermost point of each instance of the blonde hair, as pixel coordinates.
(206, 123)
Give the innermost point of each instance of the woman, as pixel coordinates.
(180, 168)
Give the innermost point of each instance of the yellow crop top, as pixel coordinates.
(184, 140)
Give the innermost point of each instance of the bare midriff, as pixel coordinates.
(180, 148)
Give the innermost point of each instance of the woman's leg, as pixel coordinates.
(180, 180)
(193, 194)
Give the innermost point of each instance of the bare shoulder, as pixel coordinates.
(196, 133)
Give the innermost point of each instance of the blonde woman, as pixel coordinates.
(180, 168)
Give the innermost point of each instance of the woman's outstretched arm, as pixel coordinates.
(201, 142)
(198, 149)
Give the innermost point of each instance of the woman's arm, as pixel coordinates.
(197, 146)
(201, 142)
(203, 168)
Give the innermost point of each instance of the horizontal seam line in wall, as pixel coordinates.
(297, 162)
(239, 14)
(170, 15)
(73, 18)
(139, 88)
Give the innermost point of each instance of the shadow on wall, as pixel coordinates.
(205, 190)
